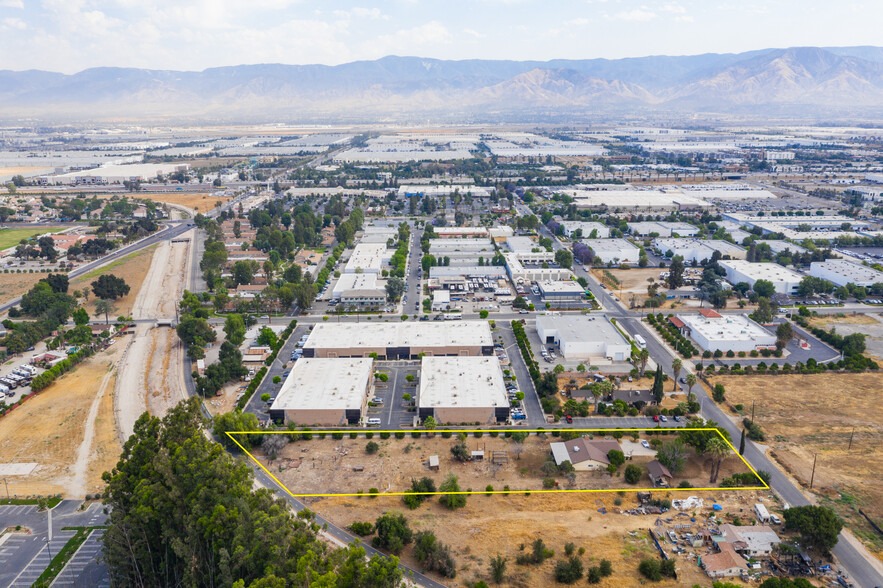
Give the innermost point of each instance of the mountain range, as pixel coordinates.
(829, 83)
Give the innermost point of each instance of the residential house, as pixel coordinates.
(583, 453)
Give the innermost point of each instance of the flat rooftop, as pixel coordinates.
(416, 334)
(461, 382)
(609, 245)
(772, 272)
(325, 384)
(729, 327)
(711, 245)
(562, 287)
(521, 244)
(849, 270)
(367, 256)
(581, 328)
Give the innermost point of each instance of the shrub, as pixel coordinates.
(633, 474)
(361, 529)
(548, 483)
(372, 447)
(650, 569)
(569, 570)
(393, 532)
(434, 555)
(354, 435)
(400, 434)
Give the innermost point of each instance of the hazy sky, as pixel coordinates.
(70, 35)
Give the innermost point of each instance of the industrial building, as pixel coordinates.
(368, 258)
(615, 251)
(582, 337)
(696, 250)
(328, 392)
(533, 271)
(520, 244)
(841, 272)
(588, 230)
(460, 232)
(561, 291)
(400, 340)
(733, 332)
(783, 279)
(117, 174)
(457, 390)
(663, 229)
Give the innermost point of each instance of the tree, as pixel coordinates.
(569, 571)
(691, 381)
(616, 457)
(717, 449)
(633, 473)
(853, 344)
(742, 443)
(643, 358)
(434, 555)
(109, 287)
(764, 312)
(718, 393)
(460, 452)
(81, 317)
(193, 329)
(58, 282)
(498, 568)
(764, 288)
(676, 273)
(676, 366)
(450, 497)
(174, 486)
(395, 287)
(243, 271)
(393, 532)
(818, 526)
(234, 328)
(784, 333)
(564, 258)
(372, 447)
(672, 455)
(104, 307)
(656, 389)
(267, 337)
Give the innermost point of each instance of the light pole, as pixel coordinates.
(7, 484)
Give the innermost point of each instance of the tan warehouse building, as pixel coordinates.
(400, 340)
(328, 392)
(457, 390)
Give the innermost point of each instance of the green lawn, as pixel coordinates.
(10, 237)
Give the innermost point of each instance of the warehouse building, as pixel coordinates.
(582, 337)
(841, 272)
(368, 258)
(696, 250)
(783, 279)
(561, 291)
(733, 332)
(615, 251)
(456, 390)
(533, 271)
(460, 232)
(583, 229)
(663, 229)
(327, 392)
(400, 340)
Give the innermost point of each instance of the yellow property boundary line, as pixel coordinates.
(230, 434)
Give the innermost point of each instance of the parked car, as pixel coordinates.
(655, 418)
(645, 444)
(568, 419)
(518, 417)
(663, 418)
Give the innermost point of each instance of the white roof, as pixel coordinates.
(848, 270)
(772, 272)
(562, 286)
(325, 384)
(461, 382)
(580, 328)
(610, 245)
(409, 334)
(729, 327)
(521, 244)
(368, 256)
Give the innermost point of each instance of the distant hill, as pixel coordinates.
(801, 81)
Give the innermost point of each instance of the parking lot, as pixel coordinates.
(389, 404)
(14, 381)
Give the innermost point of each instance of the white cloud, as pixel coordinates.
(12, 4)
(637, 15)
(14, 23)
(684, 18)
(407, 41)
(473, 33)
(674, 8)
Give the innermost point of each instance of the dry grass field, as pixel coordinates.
(500, 524)
(198, 201)
(49, 429)
(808, 415)
(14, 285)
(132, 268)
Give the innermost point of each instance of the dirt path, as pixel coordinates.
(77, 486)
(150, 376)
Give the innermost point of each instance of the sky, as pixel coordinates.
(72, 35)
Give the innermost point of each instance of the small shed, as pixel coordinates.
(478, 455)
(659, 474)
(433, 462)
(643, 497)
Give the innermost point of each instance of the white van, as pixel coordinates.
(373, 422)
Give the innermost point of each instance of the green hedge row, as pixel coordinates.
(280, 341)
(65, 365)
(252, 386)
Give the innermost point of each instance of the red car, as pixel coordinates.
(569, 419)
(656, 418)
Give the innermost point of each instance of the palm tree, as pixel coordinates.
(691, 381)
(104, 307)
(643, 358)
(676, 366)
(717, 449)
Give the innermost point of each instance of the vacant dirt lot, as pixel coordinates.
(501, 524)
(199, 201)
(816, 414)
(68, 430)
(329, 465)
(870, 325)
(14, 285)
(132, 268)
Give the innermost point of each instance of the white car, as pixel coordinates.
(644, 444)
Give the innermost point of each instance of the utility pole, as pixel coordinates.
(7, 488)
(848, 448)
(752, 411)
(813, 476)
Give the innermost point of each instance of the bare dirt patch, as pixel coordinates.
(198, 201)
(14, 285)
(50, 428)
(808, 415)
(501, 524)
